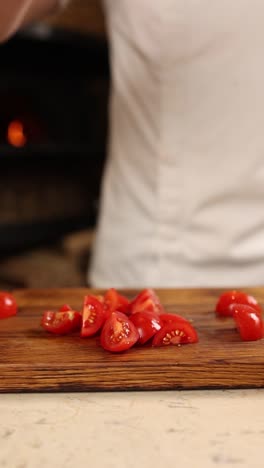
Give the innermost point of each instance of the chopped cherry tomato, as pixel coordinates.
(175, 333)
(234, 297)
(93, 316)
(118, 333)
(100, 298)
(248, 321)
(115, 302)
(8, 305)
(147, 323)
(169, 318)
(61, 323)
(146, 301)
(65, 308)
(233, 307)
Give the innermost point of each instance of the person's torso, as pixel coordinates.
(183, 193)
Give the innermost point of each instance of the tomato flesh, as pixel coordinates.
(146, 301)
(8, 305)
(234, 297)
(93, 316)
(61, 323)
(118, 333)
(175, 333)
(248, 321)
(147, 324)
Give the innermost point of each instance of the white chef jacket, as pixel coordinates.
(183, 191)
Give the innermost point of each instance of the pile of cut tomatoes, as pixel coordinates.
(122, 323)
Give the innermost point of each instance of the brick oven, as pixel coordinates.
(53, 125)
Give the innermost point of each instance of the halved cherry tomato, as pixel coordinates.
(147, 323)
(65, 308)
(146, 301)
(248, 321)
(115, 302)
(61, 323)
(169, 318)
(118, 333)
(8, 305)
(93, 316)
(234, 297)
(175, 333)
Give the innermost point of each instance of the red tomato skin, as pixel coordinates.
(234, 297)
(93, 316)
(118, 333)
(115, 302)
(169, 318)
(147, 324)
(8, 305)
(146, 301)
(248, 321)
(175, 334)
(61, 323)
(65, 308)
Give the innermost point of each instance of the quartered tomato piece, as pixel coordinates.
(65, 308)
(93, 316)
(248, 321)
(8, 305)
(61, 323)
(169, 318)
(115, 302)
(234, 297)
(175, 333)
(147, 324)
(118, 333)
(100, 298)
(146, 301)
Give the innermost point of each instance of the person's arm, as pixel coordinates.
(15, 14)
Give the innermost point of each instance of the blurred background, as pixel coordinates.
(54, 87)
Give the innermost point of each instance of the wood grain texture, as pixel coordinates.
(33, 360)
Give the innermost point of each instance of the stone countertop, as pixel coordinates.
(124, 430)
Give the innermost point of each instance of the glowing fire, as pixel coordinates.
(15, 134)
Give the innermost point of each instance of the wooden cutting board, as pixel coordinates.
(33, 360)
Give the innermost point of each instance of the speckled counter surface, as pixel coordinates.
(122, 430)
